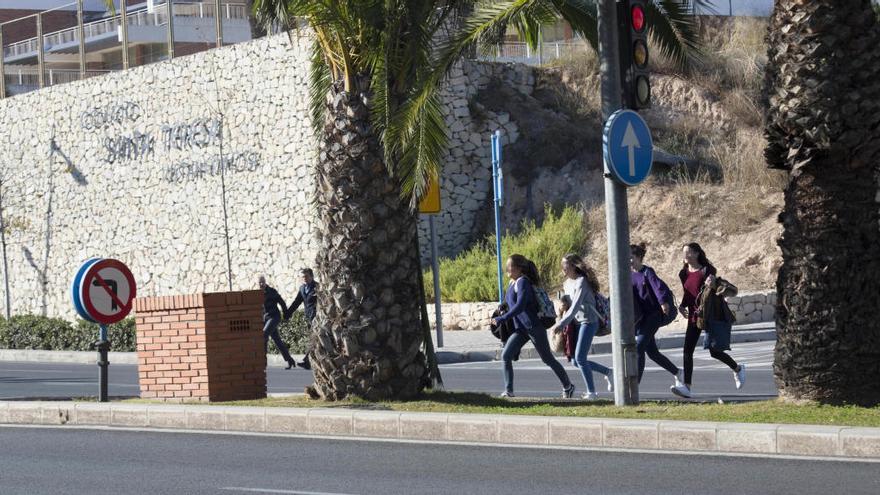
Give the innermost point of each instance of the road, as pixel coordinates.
(72, 461)
(712, 380)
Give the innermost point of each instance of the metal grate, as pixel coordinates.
(239, 325)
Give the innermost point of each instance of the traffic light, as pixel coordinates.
(633, 36)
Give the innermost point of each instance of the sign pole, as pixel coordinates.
(498, 187)
(435, 271)
(103, 346)
(623, 341)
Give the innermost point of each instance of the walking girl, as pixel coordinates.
(581, 286)
(648, 292)
(701, 303)
(523, 313)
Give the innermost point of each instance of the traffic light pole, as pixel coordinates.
(626, 386)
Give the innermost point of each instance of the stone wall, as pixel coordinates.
(750, 307)
(128, 166)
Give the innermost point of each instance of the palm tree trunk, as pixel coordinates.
(367, 332)
(822, 126)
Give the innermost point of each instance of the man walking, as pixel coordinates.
(272, 318)
(308, 298)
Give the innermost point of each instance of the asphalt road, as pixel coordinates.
(712, 379)
(71, 461)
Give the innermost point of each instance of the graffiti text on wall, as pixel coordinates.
(194, 135)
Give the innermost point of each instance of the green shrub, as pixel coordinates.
(56, 334)
(472, 275)
(295, 333)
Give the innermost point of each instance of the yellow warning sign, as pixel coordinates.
(431, 200)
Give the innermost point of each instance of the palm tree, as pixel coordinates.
(376, 69)
(823, 97)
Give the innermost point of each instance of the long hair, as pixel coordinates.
(527, 267)
(701, 256)
(583, 269)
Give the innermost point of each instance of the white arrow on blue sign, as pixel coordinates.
(628, 148)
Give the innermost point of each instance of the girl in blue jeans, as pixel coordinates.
(523, 312)
(580, 286)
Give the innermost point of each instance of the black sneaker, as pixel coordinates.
(306, 365)
(568, 392)
(290, 364)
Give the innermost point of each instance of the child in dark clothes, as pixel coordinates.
(570, 331)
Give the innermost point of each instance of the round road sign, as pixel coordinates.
(103, 290)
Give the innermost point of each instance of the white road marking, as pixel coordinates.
(269, 490)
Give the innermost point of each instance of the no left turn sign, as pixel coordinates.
(103, 290)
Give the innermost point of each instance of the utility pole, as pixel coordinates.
(626, 386)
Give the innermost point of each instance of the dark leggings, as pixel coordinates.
(646, 327)
(690, 343)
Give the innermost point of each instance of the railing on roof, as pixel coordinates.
(521, 52)
(28, 76)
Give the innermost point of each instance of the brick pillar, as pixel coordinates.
(202, 346)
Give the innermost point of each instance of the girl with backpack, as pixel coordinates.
(581, 286)
(523, 312)
(700, 282)
(648, 292)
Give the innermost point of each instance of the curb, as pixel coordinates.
(535, 431)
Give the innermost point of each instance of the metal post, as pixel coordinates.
(218, 21)
(498, 188)
(123, 7)
(626, 386)
(435, 269)
(169, 5)
(541, 45)
(2, 66)
(82, 39)
(41, 67)
(103, 346)
(8, 296)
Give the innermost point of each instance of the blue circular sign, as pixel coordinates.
(76, 290)
(627, 146)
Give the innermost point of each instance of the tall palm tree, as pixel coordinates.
(822, 83)
(376, 68)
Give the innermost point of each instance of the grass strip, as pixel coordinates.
(770, 411)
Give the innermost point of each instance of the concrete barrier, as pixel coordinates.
(538, 431)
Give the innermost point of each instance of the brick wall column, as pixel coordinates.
(206, 347)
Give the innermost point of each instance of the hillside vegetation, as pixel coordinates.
(721, 194)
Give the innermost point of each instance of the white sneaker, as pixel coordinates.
(739, 377)
(681, 390)
(609, 381)
(679, 379)
(590, 396)
(506, 395)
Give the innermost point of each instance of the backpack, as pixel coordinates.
(603, 314)
(665, 319)
(546, 311)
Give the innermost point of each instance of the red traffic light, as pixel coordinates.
(638, 18)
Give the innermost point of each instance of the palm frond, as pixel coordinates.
(674, 30)
(320, 82)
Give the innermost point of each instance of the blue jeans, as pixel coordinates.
(585, 339)
(538, 335)
(271, 330)
(646, 344)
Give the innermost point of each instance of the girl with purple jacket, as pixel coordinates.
(648, 289)
(523, 312)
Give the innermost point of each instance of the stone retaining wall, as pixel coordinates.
(749, 307)
(133, 165)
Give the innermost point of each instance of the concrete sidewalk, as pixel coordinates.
(534, 431)
(458, 346)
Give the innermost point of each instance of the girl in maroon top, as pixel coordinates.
(696, 273)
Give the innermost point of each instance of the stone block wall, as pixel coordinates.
(133, 165)
(201, 347)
